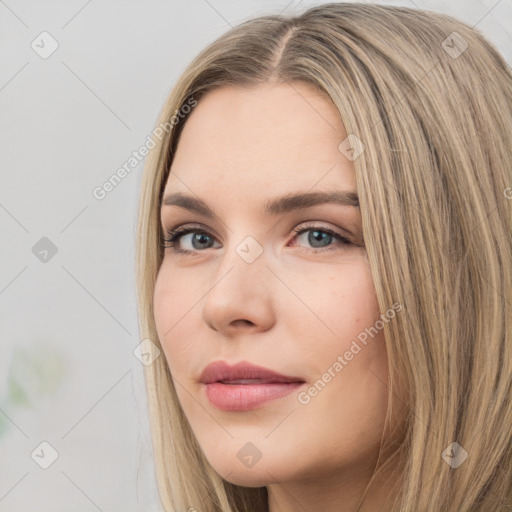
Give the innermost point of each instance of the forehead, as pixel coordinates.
(271, 135)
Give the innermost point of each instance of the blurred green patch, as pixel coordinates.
(35, 373)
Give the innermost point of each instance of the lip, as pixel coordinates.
(245, 386)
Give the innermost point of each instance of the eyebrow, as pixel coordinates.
(283, 204)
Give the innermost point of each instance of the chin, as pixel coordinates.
(266, 471)
(247, 477)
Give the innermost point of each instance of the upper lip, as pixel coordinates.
(220, 371)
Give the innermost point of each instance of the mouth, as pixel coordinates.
(255, 381)
(245, 386)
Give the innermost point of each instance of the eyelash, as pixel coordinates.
(174, 235)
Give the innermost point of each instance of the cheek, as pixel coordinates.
(344, 346)
(174, 298)
(352, 302)
(342, 304)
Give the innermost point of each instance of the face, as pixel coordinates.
(287, 288)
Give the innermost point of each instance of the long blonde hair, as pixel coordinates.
(431, 100)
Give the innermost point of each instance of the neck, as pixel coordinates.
(348, 490)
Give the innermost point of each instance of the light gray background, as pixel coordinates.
(68, 375)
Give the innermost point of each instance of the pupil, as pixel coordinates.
(200, 238)
(313, 237)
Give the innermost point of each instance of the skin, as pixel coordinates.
(291, 310)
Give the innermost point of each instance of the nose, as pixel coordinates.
(240, 296)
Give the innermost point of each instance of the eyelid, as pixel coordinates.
(180, 228)
(310, 225)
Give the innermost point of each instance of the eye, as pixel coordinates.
(199, 239)
(320, 239)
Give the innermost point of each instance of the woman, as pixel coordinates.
(325, 261)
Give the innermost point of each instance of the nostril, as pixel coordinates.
(242, 322)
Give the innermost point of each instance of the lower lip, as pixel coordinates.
(244, 397)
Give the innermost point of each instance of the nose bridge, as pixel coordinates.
(244, 262)
(238, 289)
